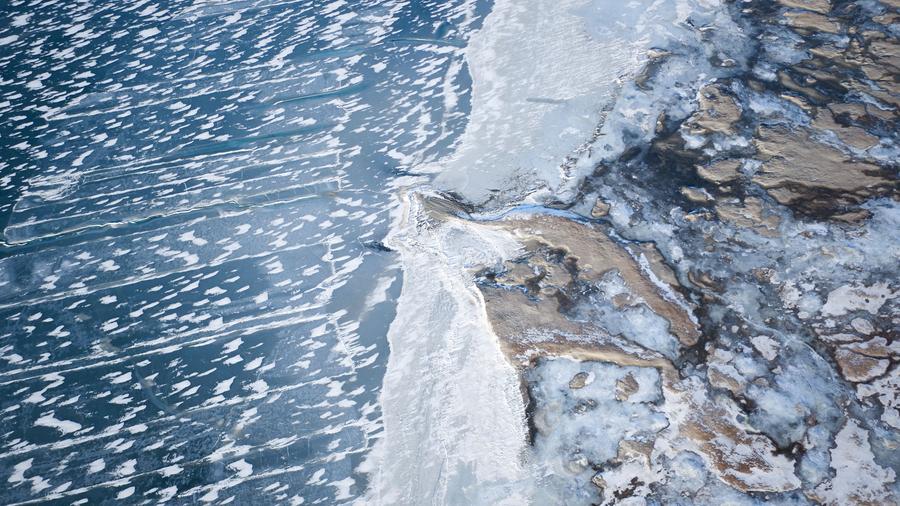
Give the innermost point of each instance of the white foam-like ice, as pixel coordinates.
(454, 429)
(542, 73)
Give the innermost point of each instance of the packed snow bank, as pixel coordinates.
(454, 420)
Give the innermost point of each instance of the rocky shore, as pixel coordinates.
(714, 317)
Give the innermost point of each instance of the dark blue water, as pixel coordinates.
(193, 294)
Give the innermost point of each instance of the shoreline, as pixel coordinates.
(743, 204)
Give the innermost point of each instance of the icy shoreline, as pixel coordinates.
(454, 428)
(730, 179)
(541, 86)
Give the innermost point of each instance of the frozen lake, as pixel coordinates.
(193, 293)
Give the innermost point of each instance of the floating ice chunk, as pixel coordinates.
(171, 470)
(855, 297)
(96, 466)
(108, 266)
(232, 346)
(63, 426)
(766, 346)
(121, 378)
(253, 364)
(223, 386)
(858, 479)
(125, 493)
(18, 474)
(342, 487)
(241, 468)
(258, 386)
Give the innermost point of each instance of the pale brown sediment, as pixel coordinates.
(525, 305)
(590, 254)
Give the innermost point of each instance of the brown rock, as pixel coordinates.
(698, 195)
(872, 35)
(796, 168)
(749, 214)
(655, 261)
(579, 380)
(886, 52)
(852, 136)
(806, 91)
(705, 280)
(798, 101)
(626, 387)
(885, 96)
(529, 328)
(853, 217)
(600, 209)
(702, 214)
(812, 21)
(859, 368)
(723, 171)
(858, 113)
(717, 113)
(594, 254)
(621, 300)
(551, 274)
(877, 347)
(517, 274)
(853, 110)
(888, 18)
(635, 450)
(515, 316)
(828, 52)
(726, 378)
(820, 6)
(743, 460)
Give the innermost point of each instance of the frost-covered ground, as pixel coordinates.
(695, 278)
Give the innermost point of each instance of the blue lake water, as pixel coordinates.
(193, 293)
